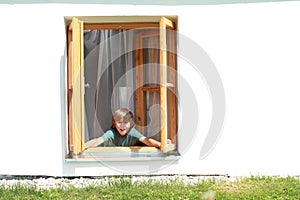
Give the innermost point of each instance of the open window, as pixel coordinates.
(137, 69)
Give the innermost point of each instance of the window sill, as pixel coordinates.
(122, 149)
(111, 154)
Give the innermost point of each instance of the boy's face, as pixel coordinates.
(123, 127)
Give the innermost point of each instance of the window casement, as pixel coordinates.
(159, 55)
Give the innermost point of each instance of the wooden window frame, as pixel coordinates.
(75, 82)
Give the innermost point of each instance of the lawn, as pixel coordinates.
(262, 187)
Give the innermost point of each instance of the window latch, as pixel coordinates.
(87, 85)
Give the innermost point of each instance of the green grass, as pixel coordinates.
(246, 188)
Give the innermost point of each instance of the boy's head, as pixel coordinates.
(123, 120)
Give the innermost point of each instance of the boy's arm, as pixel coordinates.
(153, 143)
(94, 142)
(150, 142)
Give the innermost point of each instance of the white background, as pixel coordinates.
(255, 48)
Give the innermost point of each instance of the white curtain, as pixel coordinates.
(110, 80)
(104, 67)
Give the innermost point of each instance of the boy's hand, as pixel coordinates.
(169, 147)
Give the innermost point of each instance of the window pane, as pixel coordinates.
(152, 108)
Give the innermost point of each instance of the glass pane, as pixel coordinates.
(151, 60)
(152, 114)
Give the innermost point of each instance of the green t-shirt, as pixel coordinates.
(130, 139)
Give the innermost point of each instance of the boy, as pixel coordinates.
(122, 132)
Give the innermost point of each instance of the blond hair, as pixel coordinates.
(122, 114)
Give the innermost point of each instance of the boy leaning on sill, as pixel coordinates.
(123, 133)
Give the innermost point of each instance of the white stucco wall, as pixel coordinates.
(255, 48)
